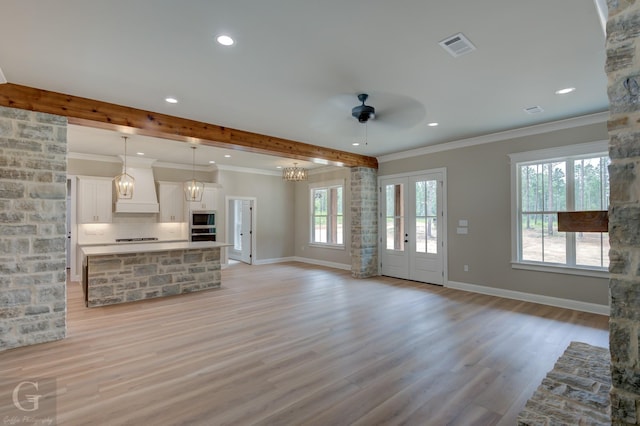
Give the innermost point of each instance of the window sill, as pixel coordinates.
(327, 246)
(597, 273)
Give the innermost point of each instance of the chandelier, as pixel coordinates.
(294, 174)
(124, 182)
(192, 188)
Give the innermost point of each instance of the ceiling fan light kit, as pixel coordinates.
(363, 112)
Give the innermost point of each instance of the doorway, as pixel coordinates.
(241, 212)
(413, 226)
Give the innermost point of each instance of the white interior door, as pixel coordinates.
(241, 213)
(412, 227)
(246, 210)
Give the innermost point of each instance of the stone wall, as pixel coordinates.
(118, 278)
(33, 182)
(623, 69)
(364, 222)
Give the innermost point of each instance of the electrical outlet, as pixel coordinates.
(466, 268)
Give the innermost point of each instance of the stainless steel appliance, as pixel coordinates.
(202, 225)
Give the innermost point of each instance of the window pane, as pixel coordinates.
(591, 183)
(394, 217)
(592, 249)
(555, 186)
(319, 229)
(320, 202)
(395, 233)
(531, 179)
(340, 230)
(426, 215)
(532, 225)
(554, 242)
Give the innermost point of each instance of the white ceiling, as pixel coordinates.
(297, 66)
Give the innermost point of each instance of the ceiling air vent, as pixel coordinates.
(457, 45)
(533, 110)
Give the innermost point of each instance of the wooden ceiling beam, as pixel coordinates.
(94, 113)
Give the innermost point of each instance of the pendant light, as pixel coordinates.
(192, 188)
(294, 174)
(124, 182)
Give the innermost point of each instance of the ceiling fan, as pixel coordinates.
(392, 113)
(363, 112)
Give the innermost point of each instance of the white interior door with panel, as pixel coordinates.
(412, 227)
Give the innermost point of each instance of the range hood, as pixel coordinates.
(144, 190)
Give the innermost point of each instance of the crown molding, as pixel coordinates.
(249, 170)
(118, 160)
(537, 129)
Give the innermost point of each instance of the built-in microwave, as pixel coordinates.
(203, 225)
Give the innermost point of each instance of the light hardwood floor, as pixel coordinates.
(293, 344)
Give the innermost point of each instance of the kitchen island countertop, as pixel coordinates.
(149, 247)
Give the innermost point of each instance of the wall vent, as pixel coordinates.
(457, 45)
(533, 110)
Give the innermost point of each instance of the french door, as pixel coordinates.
(412, 227)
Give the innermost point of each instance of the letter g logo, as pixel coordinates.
(33, 399)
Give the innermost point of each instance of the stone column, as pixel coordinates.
(364, 222)
(33, 187)
(623, 70)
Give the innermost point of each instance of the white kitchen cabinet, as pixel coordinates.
(95, 202)
(208, 201)
(172, 201)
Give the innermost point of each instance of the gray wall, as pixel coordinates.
(303, 218)
(275, 204)
(478, 180)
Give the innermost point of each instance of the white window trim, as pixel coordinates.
(327, 184)
(590, 148)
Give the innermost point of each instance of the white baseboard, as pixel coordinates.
(274, 260)
(576, 305)
(303, 260)
(334, 265)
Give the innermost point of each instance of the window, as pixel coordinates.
(573, 178)
(327, 219)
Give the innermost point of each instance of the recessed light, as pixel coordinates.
(225, 40)
(140, 153)
(278, 167)
(212, 162)
(434, 124)
(355, 144)
(565, 91)
(171, 100)
(227, 156)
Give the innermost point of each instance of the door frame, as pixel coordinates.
(231, 222)
(445, 241)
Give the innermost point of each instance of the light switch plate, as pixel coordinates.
(462, 231)
(463, 222)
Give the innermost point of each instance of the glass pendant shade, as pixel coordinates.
(294, 174)
(124, 182)
(193, 189)
(124, 186)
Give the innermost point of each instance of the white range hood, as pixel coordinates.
(144, 188)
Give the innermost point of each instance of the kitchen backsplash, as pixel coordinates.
(135, 226)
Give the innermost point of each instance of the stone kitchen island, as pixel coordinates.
(128, 272)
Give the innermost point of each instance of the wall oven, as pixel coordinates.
(202, 225)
